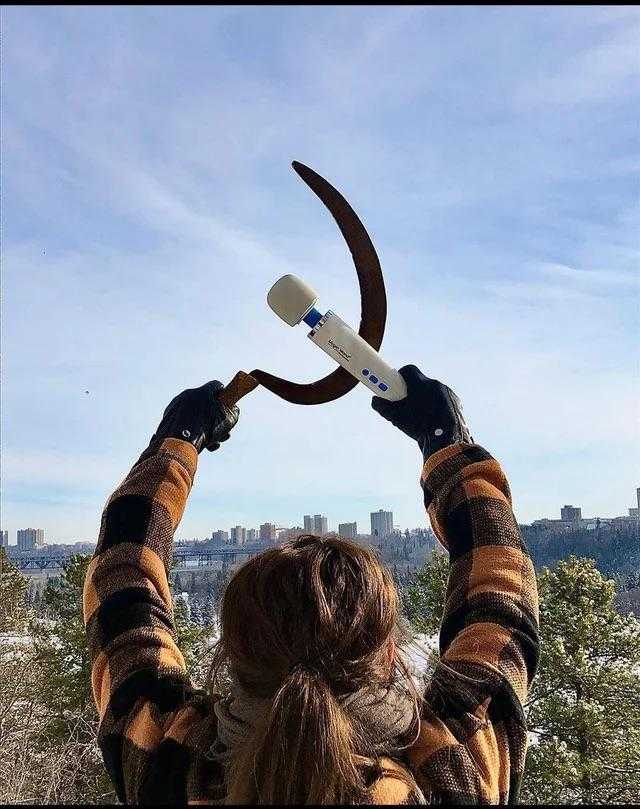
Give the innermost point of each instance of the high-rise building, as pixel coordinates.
(252, 535)
(268, 532)
(315, 525)
(238, 535)
(29, 538)
(348, 530)
(381, 523)
(4, 539)
(220, 537)
(570, 513)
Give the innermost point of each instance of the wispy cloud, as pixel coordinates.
(597, 73)
(590, 278)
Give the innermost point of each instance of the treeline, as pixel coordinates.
(583, 711)
(614, 547)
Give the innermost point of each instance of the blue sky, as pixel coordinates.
(149, 204)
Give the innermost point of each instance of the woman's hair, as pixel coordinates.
(303, 624)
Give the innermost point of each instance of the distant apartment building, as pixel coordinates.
(285, 534)
(570, 513)
(381, 523)
(220, 537)
(348, 530)
(268, 532)
(83, 546)
(308, 524)
(570, 518)
(546, 523)
(252, 535)
(238, 535)
(4, 539)
(30, 538)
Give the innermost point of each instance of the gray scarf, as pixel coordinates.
(387, 715)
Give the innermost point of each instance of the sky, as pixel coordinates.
(149, 204)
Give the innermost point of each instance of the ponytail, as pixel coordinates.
(301, 752)
(328, 601)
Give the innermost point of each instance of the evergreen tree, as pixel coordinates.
(62, 672)
(36, 599)
(60, 646)
(196, 612)
(584, 708)
(13, 595)
(424, 596)
(209, 611)
(193, 640)
(182, 604)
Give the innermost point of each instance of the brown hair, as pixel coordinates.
(303, 624)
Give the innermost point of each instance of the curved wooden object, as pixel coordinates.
(373, 299)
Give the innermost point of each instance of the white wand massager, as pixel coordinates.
(294, 301)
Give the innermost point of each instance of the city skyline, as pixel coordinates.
(140, 238)
(566, 513)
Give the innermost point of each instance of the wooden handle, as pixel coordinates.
(240, 385)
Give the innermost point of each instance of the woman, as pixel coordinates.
(321, 708)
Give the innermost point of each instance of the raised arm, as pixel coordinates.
(473, 737)
(149, 712)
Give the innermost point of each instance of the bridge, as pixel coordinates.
(181, 557)
(204, 557)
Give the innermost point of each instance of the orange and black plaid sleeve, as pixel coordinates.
(155, 728)
(473, 736)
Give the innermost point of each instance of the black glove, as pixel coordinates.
(431, 412)
(196, 416)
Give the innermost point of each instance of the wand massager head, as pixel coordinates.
(291, 299)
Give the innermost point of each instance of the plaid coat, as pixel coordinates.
(156, 731)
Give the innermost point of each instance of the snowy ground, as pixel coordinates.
(14, 640)
(418, 656)
(13, 647)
